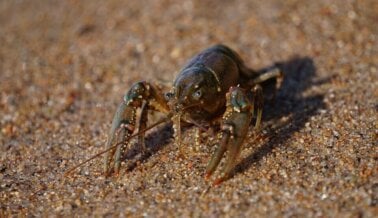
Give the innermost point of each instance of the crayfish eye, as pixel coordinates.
(197, 94)
(168, 96)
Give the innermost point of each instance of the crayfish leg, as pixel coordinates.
(239, 112)
(142, 125)
(122, 127)
(177, 132)
(120, 149)
(217, 156)
(274, 72)
(141, 95)
(258, 103)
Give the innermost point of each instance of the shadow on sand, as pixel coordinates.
(299, 76)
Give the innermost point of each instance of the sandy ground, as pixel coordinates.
(64, 66)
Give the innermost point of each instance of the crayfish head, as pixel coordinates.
(195, 92)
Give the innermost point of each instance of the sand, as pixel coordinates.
(65, 65)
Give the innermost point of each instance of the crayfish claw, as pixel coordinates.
(122, 128)
(235, 124)
(124, 122)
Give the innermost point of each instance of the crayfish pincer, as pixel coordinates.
(214, 87)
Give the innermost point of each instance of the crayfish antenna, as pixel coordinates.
(164, 120)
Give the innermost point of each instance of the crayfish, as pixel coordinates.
(214, 87)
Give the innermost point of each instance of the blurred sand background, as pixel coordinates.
(64, 66)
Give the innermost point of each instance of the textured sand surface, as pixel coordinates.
(64, 66)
